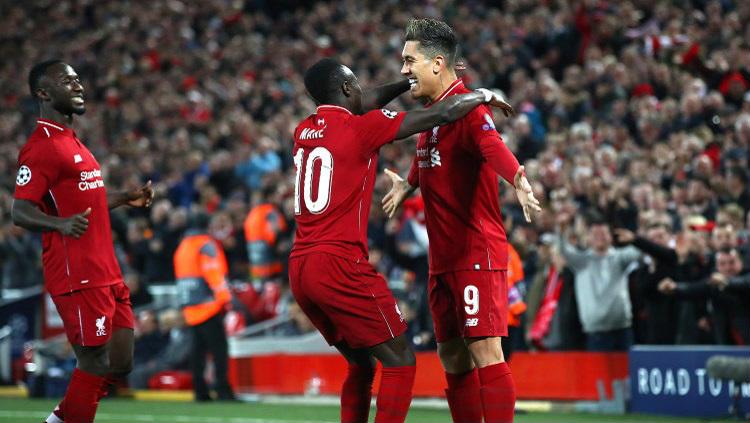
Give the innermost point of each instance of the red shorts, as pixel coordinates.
(346, 301)
(91, 315)
(469, 304)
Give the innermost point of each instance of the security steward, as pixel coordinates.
(201, 269)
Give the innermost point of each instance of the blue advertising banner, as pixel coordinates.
(672, 380)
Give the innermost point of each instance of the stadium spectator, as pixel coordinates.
(552, 322)
(725, 295)
(173, 352)
(601, 285)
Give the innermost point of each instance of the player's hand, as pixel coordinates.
(75, 225)
(525, 194)
(494, 99)
(624, 236)
(142, 197)
(398, 193)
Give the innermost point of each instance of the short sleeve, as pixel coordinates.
(377, 127)
(38, 170)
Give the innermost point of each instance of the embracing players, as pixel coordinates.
(335, 155)
(60, 192)
(456, 168)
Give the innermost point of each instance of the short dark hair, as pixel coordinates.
(738, 173)
(323, 80)
(38, 71)
(435, 37)
(595, 218)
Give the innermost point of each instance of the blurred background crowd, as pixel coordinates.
(633, 123)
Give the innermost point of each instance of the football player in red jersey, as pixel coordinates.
(456, 168)
(335, 156)
(60, 192)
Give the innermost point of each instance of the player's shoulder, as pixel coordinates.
(376, 115)
(482, 116)
(39, 141)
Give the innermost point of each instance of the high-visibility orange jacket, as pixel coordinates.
(201, 268)
(263, 225)
(516, 305)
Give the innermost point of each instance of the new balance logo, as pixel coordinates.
(472, 322)
(311, 134)
(77, 158)
(100, 329)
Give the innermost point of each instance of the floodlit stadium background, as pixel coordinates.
(637, 109)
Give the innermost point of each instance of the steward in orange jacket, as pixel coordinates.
(263, 225)
(201, 269)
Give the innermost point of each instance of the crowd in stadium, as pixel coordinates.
(633, 124)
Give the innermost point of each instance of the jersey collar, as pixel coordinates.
(332, 108)
(52, 126)
(452, 87)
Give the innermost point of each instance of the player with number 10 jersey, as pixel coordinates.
(335, 157)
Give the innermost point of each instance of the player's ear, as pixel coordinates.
(437, 64)
(346, 89)
(41, 94)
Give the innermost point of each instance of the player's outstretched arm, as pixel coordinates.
(445, 111)
(525, 194)
(400, 191)
(141, 197)
(378, 97)
(26, 215)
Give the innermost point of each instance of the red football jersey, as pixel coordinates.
(61, 176)
(456, 168)
(336, 157)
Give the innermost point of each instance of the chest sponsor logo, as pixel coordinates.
(24, 176)
(91, 179)
(428, 157)
(311, 134)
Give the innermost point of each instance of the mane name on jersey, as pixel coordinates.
(311, 134)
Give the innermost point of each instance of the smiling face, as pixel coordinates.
(424, 81)
(62, 87)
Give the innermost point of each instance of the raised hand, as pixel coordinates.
(624, 236)
(525, 194)
(396, 196)
(75, 225)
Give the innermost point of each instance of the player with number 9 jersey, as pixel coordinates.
(335, 158)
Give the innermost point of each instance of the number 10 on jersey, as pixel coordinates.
(305, 167)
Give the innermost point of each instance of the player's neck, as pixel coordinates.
(52, 114)
(446, 79)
